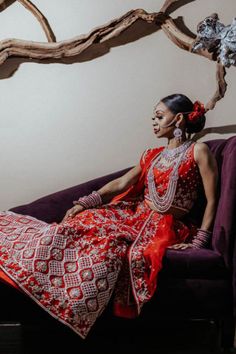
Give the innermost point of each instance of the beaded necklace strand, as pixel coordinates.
(163, 203)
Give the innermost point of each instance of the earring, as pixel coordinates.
(178, 134)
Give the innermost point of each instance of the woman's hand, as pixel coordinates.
(73, 211)
(181, 246)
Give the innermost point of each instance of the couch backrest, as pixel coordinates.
(52, 207)
(224, 230)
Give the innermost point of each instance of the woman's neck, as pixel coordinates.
(173, 143)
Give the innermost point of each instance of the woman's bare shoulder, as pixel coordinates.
(202, 151)
(201, 146)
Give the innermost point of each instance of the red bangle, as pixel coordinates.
(89, 201)
(201, 239)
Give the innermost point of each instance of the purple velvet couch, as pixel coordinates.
(197, 284)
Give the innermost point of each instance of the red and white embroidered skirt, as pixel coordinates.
(72, 269)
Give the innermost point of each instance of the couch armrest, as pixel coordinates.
(53, 207)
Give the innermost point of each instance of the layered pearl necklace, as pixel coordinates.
(163, 203)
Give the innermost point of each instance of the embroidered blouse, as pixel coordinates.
(188, 182)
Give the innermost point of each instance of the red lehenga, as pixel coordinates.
(72, 269)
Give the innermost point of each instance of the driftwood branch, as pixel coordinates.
(221, 87)
(71, 48)
(41, 18)
(5, 3)
(75, 46)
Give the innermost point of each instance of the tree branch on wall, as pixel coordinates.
(61, 51)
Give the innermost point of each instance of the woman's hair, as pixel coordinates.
(179, 103)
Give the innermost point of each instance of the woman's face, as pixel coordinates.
(162, 117)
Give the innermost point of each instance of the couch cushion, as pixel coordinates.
(194, 263)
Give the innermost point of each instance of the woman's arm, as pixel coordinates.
(111, 189)
(119, 185)
(209, 173)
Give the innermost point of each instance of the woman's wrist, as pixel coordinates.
(202, 238)
(89, 201)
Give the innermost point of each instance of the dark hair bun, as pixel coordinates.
(194, 113)
(196, 126)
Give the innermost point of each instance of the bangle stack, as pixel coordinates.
(201, 239)
(89, 201)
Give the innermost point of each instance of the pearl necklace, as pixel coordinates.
(163, 203)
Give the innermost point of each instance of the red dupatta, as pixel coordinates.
(152, 243)
(137, 188)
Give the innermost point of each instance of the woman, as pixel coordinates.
(112, 242)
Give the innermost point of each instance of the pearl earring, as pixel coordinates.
(178, 134)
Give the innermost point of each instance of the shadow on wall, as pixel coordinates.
(137, 30)
(134, 32)
(228, 129)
